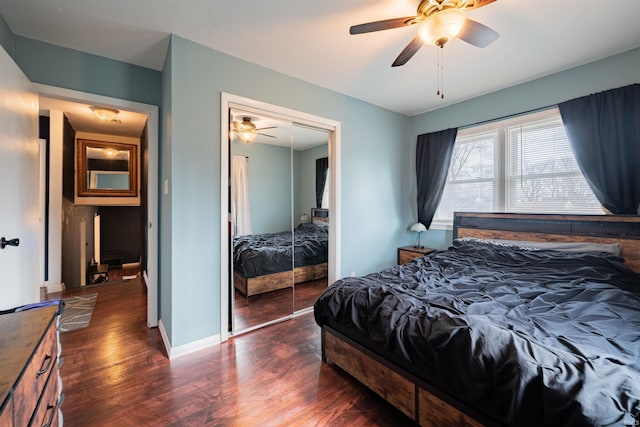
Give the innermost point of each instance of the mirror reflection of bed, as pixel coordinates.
(279, 220)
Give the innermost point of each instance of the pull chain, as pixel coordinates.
(440, 67)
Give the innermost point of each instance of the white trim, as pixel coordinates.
(183, 350)
(42, 170)
(152, 178)
(227, 101)
(59, 287)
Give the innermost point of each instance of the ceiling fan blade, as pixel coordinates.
(408, 52)
(480, 4)
(268, 127)
(264, 134)
(477, 34)
(387, 24)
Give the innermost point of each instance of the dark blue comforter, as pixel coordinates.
(261, 254)
(528, 338)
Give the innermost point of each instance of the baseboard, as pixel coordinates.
(57, 287)
(131, 265)
(182, 350)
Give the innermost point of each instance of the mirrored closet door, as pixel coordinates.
(311, 212)
(261, 219)
(279, 218)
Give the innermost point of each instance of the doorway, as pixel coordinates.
(148, 184)
(295, 123)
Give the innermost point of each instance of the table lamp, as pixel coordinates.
(418, 227)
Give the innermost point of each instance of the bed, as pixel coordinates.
(498, 329)
(264, 262)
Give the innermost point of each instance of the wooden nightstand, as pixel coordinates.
(408, 253)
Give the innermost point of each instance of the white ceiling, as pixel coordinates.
(309, 39)
(82, 119)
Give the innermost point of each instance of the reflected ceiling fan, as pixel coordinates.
(438, 22)
(247, 130)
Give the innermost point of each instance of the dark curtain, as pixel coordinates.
(433, 156)
(322, 165)
(604, 132)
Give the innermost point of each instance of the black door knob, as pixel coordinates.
(4, 242)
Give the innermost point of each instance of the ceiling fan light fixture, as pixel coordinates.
(106, 114)
(246, 130)
(442, 26)
(247, 136)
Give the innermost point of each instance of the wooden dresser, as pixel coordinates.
(29, 380)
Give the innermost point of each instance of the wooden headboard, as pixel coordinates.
(621, 229)
(319, 216)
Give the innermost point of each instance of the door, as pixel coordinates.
(19, 187)
(261, 220)
(311, 214)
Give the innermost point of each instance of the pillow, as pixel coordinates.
(609, 248)
(311, 226)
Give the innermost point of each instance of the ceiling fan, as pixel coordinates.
(247, 130)
(439, 21)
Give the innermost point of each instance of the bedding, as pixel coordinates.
(261, 254)
(525, 337)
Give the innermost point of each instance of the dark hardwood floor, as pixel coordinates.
(116, 373)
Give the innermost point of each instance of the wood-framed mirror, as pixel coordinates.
(106, 169)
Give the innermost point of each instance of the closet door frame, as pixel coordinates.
(229, 101)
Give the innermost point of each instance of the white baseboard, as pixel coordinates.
(54, 287)
(182, 350)
(131, 265)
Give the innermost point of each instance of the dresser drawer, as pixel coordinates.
(46, 413)
(404, 257)
(35, 376)
(6, 414)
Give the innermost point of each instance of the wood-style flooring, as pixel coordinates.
(262, 308)
(116, 373)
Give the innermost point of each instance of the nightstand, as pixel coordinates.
(409, 253)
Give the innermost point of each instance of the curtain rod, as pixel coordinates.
(509, 116)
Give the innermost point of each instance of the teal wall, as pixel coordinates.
(71, 69)
(374, 155)
(270, 179)
(7, 39)
(304, 165)
(616, 71)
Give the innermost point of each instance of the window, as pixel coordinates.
(523, 164)
(325, 193)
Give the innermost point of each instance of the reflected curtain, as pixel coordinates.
(322, 165)
(433, 156)
(604, 132)
(240, 211)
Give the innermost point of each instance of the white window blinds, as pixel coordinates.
(522, 164)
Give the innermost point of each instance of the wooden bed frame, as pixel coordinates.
(424, 403)
(250, 286)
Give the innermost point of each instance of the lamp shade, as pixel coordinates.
(103, 113)
(418, 227)
(442, 26)
(304, 218)
(247, 136)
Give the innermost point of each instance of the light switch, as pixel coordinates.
(166, 186)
